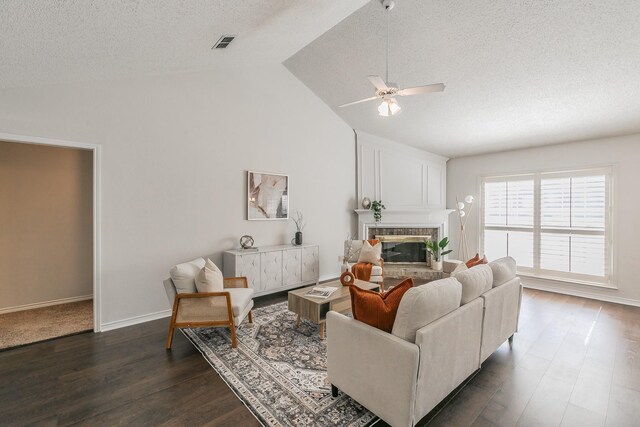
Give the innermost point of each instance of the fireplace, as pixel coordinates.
(405, 249)
(402, 233)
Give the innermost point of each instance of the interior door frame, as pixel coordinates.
(95, 148)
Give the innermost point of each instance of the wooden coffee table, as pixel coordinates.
(316, 309)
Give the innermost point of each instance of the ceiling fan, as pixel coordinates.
(387, 91)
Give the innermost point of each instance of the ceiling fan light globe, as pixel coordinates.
(394, 108)
(383, 109)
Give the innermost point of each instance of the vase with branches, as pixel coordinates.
(300, 223)
(348, 252)
(436, 249)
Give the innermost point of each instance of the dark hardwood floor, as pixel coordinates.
(575, 362)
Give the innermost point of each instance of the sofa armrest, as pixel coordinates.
(377, 369)
(449, 353)
(501, 315)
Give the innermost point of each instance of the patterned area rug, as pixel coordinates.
(279, 371)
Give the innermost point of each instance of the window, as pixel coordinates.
(555, 224)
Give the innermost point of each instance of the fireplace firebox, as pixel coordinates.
(403, 249)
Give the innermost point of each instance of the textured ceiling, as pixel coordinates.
(56, 41)
(518, 73)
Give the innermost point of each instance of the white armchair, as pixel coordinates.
(377, 271)
(218, 309)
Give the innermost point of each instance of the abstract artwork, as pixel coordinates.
(267, 196)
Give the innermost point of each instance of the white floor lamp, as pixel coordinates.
(463, 251)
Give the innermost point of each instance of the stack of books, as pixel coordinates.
(321, 292)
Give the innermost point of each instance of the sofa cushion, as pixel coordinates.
(378, 309)
(425, 304)
(475, 281)
(183, 275)
(370, 254)
(209, 278)
(503, 269)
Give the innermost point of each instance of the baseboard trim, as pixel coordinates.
(583, 294)
(109, 326)
(45, 304)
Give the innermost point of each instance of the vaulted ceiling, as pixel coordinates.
(59, 41)
(518, 73)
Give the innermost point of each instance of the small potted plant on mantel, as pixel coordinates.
(436, 249)
(377, 207)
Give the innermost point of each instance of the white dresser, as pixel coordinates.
(274, 268)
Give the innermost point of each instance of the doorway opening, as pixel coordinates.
(49, 239)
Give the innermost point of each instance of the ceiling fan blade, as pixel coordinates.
(378, 82)
(358, 102)
(438, 87)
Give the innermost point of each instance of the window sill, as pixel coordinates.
(568, 281)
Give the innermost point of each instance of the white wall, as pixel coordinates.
(175, 150)
(402, 177)
(464, 175)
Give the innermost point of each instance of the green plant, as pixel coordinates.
(377, 207)
(437, 248)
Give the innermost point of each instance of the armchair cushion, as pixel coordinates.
(183, 275)
(352, 249)
(376, 270)
(240, 298)
(209, 278)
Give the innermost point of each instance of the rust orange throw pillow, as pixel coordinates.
(473, 261)
(378, 309)
(477, 261)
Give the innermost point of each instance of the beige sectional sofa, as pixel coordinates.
(443, 331)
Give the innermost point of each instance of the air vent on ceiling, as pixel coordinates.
(223, 42)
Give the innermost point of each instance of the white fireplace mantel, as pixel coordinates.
(429, 218)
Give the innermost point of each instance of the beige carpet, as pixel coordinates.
(29, 326)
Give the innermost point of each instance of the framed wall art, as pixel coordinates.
(267, 196)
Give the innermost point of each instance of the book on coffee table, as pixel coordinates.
(321, 292)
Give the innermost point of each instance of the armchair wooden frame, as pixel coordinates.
(232, 282)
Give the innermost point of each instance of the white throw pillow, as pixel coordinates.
(370, 254)
(210, 278)
(183, 275)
